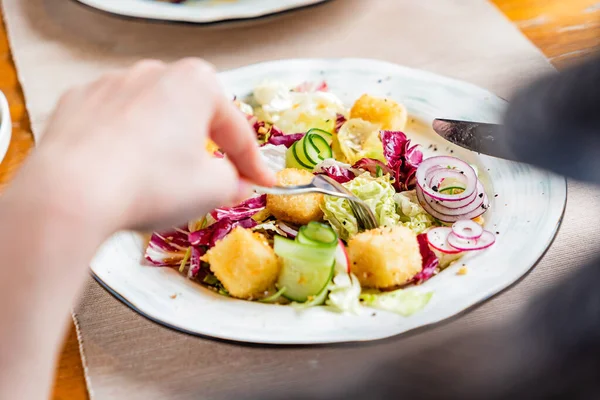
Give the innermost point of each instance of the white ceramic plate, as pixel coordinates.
(5, 126)
(198, 11)
(526, 213)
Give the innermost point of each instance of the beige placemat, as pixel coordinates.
(58, 43)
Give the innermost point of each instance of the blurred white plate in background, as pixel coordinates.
(198, 11)
(5, 126)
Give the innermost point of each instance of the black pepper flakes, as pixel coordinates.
(480, 195)
(379, 80)
(374, 314)
(496, 195)
(497, 233)
(434, 188)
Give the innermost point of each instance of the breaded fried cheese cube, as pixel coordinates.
(299, 209)
(384, 112)
(384, 258)
(244, 263)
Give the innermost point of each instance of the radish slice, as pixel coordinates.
(438, 239)
(486, 240)
(341, 257)
(467, 229)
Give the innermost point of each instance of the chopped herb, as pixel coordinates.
(188, 253)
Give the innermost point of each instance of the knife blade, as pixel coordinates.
(483, 138)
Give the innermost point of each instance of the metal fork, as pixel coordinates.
(326, 185)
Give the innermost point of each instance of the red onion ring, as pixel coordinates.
(291, 232)
(436, 162)
(444, 217)
(438, 239)
(467, 229)
(486, 240)
(476, 200)
(469, 204)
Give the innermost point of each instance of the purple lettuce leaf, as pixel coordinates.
(375, 167)
(167, 249)
(336, 172)
(243, 210)
(430, 261)
(195, 262)
(401, 158)
(339, 121)
(394, 147)
(217, 231)
(286, 140)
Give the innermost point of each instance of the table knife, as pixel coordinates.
(483, 138)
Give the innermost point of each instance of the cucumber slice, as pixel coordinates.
(272, 298)
(328, 136)
(304, 281)
(316, 233)
(313, 146)
(292, 160)
(300, 154)
(302, 252)
(317, 300)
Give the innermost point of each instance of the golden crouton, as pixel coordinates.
(385, 257)
(244, 263)
(299, 209)
(384, 112)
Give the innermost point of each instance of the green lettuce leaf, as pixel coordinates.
(401, 301)
(412, 215)
(378, 193)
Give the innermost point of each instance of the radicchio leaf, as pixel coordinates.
(375, 167)
(243, 210)
(195, 262)
(339, 121)
(337, 173)
(217, 231)
(430, 261)
(401, 158)
(167, 249)
(286, 140)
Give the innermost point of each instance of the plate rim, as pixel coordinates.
(91, 4)
(415, 330)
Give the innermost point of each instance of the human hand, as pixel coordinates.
(128, 151)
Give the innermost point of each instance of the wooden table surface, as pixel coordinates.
(564, 30)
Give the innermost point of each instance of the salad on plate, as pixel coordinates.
(307, 250)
